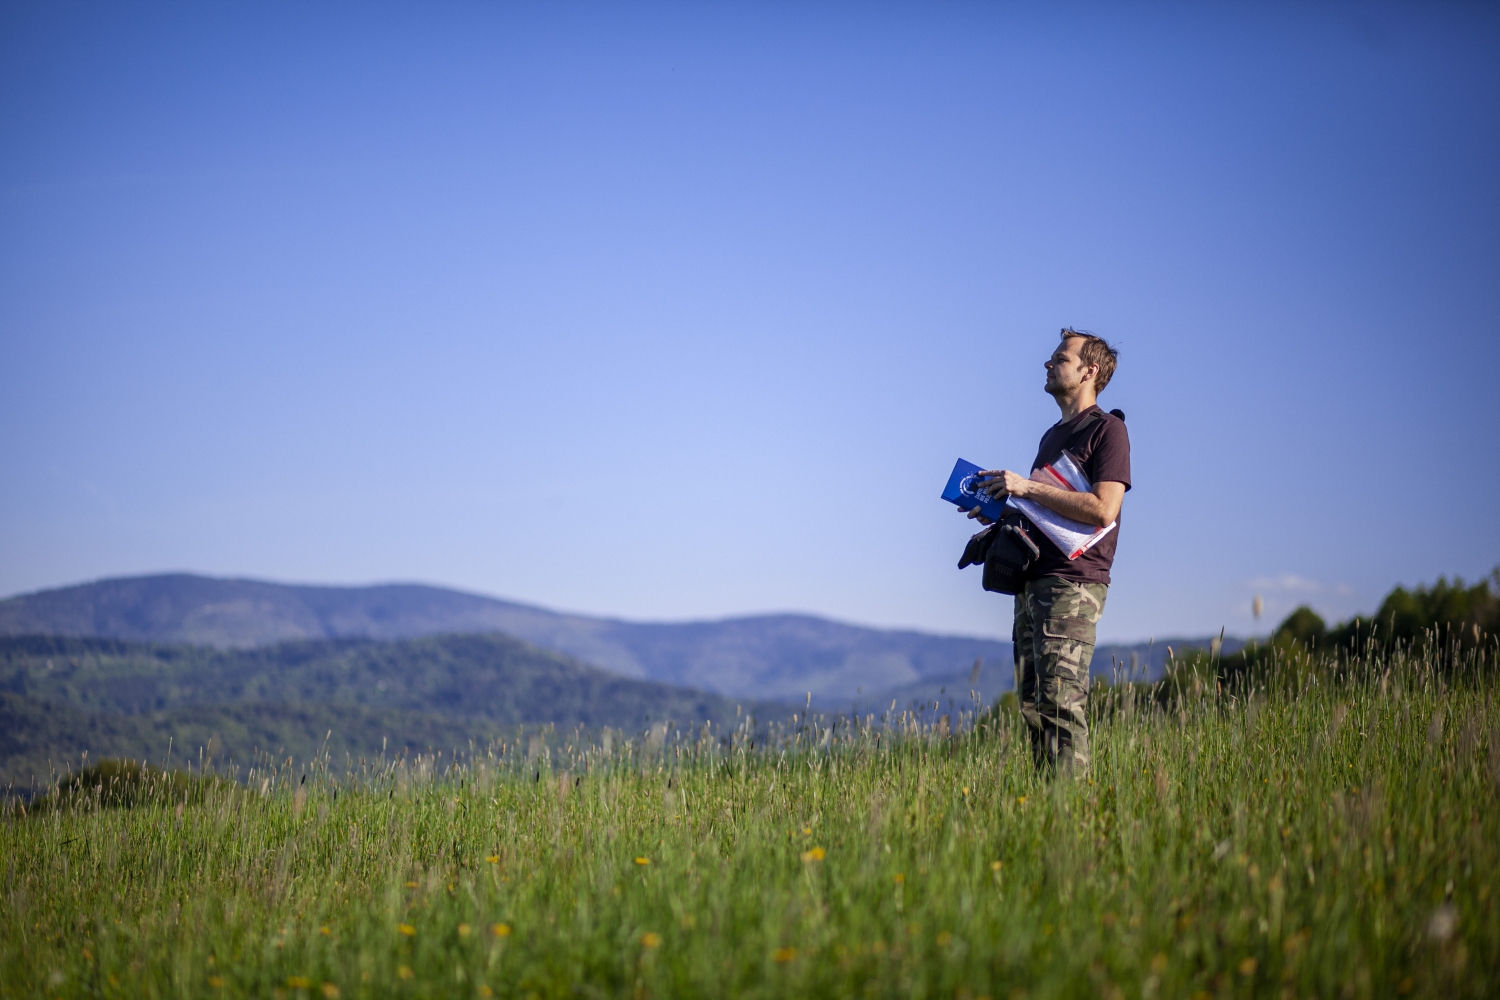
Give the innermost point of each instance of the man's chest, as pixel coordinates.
(1079, 444)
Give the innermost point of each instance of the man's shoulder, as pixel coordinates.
(1097, 424)
(1111, 423)
(1109, 450)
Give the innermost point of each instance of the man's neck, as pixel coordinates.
(1074, 404)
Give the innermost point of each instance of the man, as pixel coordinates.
(1058, 610)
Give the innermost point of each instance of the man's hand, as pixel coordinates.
(1007, 480)
(977, 515)
(1003, 483)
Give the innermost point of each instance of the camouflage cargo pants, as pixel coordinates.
(1054, 642)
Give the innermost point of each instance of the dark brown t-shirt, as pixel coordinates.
(1102, 451)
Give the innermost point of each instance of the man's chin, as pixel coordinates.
(1052, 389)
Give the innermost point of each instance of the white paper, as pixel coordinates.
(1073, 537)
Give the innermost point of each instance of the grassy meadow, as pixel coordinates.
(1333, 832)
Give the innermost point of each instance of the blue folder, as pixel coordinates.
(961, 491)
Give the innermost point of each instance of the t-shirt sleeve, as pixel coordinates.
(1111, 457)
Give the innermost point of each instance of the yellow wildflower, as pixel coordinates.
(406, 929)
(816, 854)
(500, 930)
(784, 955)
(298, 982)
(404, 972)
(463, 930)
(643, 861)
(651, 939)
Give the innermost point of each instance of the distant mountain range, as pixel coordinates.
(765, 657)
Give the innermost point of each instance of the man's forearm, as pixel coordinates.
(1082, 507)
(1099, 507)
(1086, 508)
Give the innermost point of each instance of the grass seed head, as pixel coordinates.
(1442, 923)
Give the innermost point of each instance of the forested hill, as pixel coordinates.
(765, 656)
(60, 697)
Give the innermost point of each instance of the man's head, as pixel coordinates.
(1082, 363)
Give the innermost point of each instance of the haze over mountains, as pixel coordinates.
(131, 667)
(764, 657)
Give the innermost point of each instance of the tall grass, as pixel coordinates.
(1333, 836)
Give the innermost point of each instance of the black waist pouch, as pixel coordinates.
(1007, 552)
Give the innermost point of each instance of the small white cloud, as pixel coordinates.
(1291, 583)
(1287, 583)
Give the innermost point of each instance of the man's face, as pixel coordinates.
(1065, 369)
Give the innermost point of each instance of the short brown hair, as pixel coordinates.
(1095, 351)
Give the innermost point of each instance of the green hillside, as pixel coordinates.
(38, 738)
(61, 697)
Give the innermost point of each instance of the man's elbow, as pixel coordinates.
(1108, 499)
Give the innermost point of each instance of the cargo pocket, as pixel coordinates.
(1072, 629)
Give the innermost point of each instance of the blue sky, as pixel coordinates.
(676, 311)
